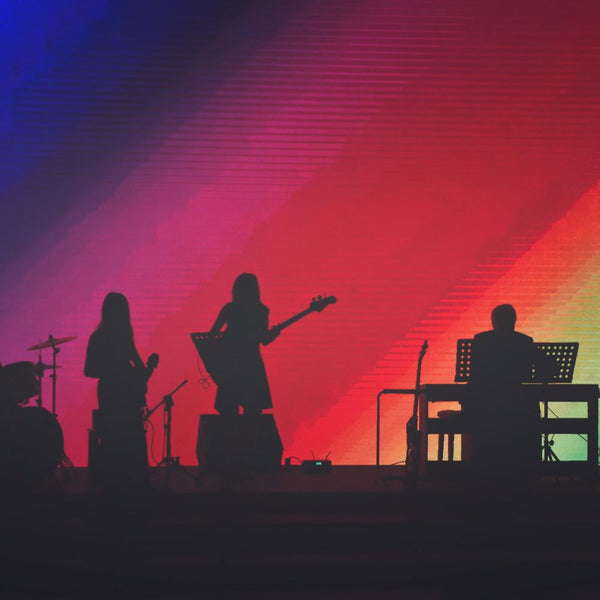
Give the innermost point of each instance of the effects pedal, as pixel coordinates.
(316, 466)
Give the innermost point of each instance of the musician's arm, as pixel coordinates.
(91, 369)
(220, 322)
(102, 362)
(268, 335)
(92, 364)
(136, 359)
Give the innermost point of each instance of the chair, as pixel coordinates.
(451, 423)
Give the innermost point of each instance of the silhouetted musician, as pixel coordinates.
(504, 425)
(113, 359)
(246, 320)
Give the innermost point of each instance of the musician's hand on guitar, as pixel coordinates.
(152, 362)
(271, 335)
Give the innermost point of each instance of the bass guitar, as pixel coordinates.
(413, 435)
(317, 305)
(210, 345)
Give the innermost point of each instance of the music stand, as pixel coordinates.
(210, 348)
(564, 354)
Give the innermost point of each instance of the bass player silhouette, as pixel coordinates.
(242, 378)
(247, 322)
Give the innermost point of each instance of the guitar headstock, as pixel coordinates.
(320, 302)
(423, 351)
(152, 362)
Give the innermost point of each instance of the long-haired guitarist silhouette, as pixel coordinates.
(246, 320)
(235, 362)
(113, 359)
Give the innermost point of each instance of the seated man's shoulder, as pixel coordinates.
(484, 335)
(523, 338)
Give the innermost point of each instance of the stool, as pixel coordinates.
(452, 421)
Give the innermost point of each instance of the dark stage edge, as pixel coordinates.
(354, 532)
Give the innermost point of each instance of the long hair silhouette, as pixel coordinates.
(116, 318)
(245, 289)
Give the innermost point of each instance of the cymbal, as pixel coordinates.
(51, 342)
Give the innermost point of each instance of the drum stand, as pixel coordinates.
(40, 374)
(53, 343)
(55, 351)
(65, 463)
(168, 461)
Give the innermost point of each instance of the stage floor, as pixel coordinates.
(347, 479)
(353, 532)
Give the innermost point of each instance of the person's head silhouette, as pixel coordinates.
(504, 317)
(115, 314)
(245, 289)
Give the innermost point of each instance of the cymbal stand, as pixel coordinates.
(65, 463)
(55, 351)
(168, 460)
(40, 374)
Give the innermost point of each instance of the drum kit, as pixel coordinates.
(31, 439)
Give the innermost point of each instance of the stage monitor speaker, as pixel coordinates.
(239, 442)
(94, 447)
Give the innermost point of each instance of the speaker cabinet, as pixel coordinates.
(239, 442)
(94, 447)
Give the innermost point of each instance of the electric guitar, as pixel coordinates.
(413, 435)
(317, 305)
(210, 345)
(140, 383)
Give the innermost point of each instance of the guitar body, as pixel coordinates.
(140, 382)
(412, 448)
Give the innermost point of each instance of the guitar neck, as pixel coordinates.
(148, 373)
(150, 366)
(418, 378)
(293, 319)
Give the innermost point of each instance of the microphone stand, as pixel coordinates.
(168, 460)
(167, 401)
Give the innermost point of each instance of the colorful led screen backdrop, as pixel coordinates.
(422, 160)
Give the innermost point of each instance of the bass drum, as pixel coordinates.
(32, 444)
(19, 382)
